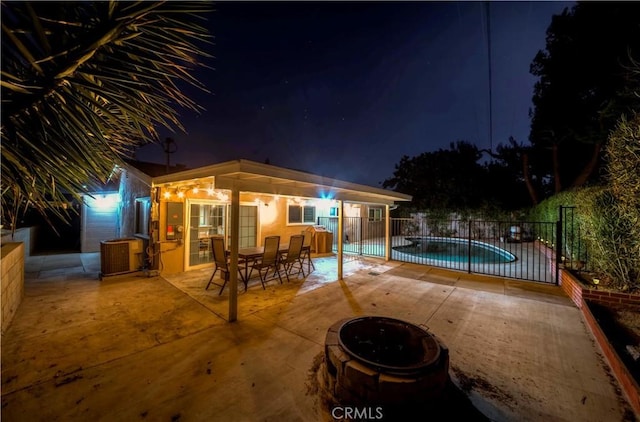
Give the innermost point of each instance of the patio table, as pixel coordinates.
(251, 254)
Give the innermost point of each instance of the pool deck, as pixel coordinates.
(133, 347)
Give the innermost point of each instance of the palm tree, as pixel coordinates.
(83, 84)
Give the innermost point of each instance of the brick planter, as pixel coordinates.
(580, 294)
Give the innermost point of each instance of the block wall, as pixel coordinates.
(11, 280)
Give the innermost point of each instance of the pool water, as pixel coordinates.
(455, 250)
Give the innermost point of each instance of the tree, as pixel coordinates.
(83, 84)
(584, 87)
(511, 182)
(445, 179)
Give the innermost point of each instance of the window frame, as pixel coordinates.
(302, 220)
(375, 214)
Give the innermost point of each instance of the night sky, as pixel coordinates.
(346, 89)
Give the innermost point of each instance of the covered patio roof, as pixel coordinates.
(250, 176)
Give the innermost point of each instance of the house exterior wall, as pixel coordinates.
(99, 220)
(176, 255)
(273, 221)
(130, 189)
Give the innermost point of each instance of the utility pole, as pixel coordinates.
(169, 146)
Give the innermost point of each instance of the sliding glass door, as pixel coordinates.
(211, 218)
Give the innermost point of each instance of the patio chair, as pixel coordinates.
(221, 263)
(305, 255)
(270, 260)
(292, 260)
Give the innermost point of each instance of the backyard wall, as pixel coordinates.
(11, 280)
(25, 235)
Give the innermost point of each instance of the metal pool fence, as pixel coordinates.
(520, 250)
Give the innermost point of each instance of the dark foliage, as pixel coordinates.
(585, 84)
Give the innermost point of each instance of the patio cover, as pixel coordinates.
(250, 176)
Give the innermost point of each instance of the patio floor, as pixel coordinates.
(133, 347)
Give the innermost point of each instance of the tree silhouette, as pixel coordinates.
(584, 87)
(83, 84)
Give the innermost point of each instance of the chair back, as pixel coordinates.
(219, 253)
(271, 246)
(295, 247)
(308, 237)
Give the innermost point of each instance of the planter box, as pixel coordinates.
(580, 294)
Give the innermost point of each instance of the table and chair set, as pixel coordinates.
(274, 257)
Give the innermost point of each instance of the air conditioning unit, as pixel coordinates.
(120, 256)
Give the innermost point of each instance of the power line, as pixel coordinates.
(488, 27)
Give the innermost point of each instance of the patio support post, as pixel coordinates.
(340, 235)
(387, 233)
(235, 241)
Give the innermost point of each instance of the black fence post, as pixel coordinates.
(469, 249)
(559, 244)
(361, 235)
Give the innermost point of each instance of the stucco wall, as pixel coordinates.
(273, 222)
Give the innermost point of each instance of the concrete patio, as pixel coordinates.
(133, 347)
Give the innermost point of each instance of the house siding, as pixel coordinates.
(130, 189)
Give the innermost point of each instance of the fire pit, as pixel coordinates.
(384, 361)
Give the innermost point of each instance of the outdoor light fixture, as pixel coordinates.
(210, 191)
(180, 194)
(596, 281)
(105, 201)
(196, 190)
(167, 194)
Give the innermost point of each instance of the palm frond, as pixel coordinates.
(83, 84)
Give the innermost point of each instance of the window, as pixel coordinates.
(333, 212)
(375, 214)
(301, 214)
(142, 215)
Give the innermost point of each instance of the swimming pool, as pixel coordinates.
(454, 250)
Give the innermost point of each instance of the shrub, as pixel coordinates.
(547, 210)
(622, 156)
(614, 251)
